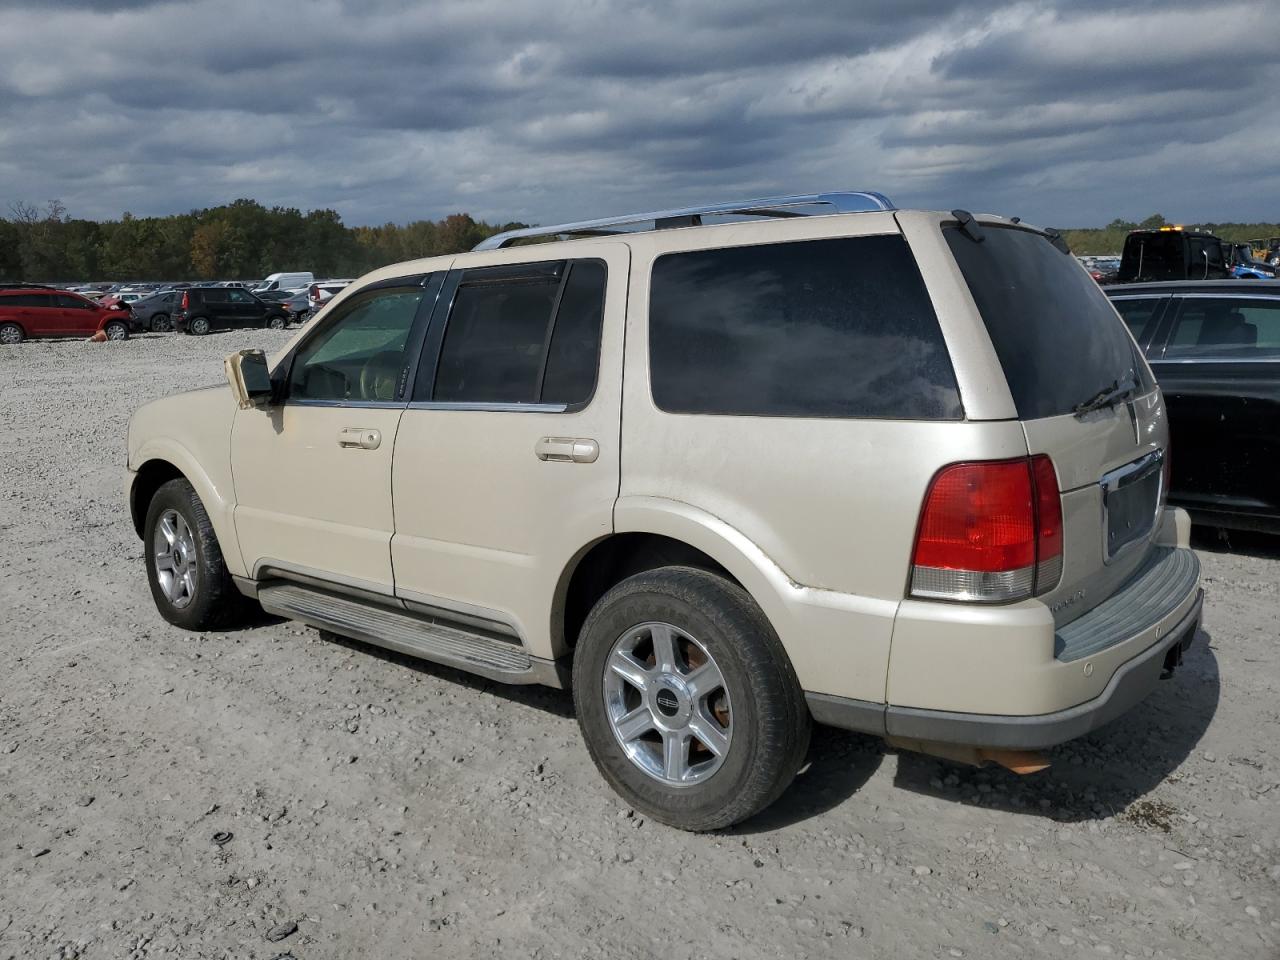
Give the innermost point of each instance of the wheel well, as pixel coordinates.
(152, 475)
(611, 561)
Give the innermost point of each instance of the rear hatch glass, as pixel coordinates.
(1084, 396)
(1055, 332)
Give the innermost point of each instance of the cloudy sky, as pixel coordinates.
(1066, 113)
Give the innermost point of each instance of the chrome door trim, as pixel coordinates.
(489, 407)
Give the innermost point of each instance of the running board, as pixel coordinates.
(412, 635)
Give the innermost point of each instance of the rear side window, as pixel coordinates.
(1055, 333)
(1227, 328)
(1140, 315)
(531, 338)
(26, 300)
(817, 328)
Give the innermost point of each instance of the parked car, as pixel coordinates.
(1245, 267)
(1172, 253)
(203, 309)
(1215, 349)
(155, 312)
(704, 476)
(285, 281)
(28, 311)
(325, 290)
(298, 306)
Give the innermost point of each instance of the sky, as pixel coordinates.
(1062, 113)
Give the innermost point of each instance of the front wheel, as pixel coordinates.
(189, 581)
(689, 706)
(116, 330)
(10, 333)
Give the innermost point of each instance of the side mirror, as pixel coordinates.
(249, 378)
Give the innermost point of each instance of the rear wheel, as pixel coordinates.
(11, 333)
(275, 322)
(116, 330)
(188, 578)
(199, 326)
(160, 323)
(689, 706)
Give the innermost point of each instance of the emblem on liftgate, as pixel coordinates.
(1067, 601)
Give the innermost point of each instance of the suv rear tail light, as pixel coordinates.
(186, 300)
(989, 532)
(313, 294)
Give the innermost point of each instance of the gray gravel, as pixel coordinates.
(379, 807)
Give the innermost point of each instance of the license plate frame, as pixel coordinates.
(1132, 496)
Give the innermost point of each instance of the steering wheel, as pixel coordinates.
(380, 375)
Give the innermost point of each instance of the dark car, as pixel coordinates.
(155, 312)
(202, 309)
(31, 310)
(299, 306)
(1215, 348)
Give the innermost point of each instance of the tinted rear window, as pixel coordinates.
(819, 328)
(1058, 339)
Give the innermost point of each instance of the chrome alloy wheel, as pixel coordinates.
(667, 704)
(175, 555)
(10, 334)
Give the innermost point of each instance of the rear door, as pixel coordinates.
(1061, 345)
(1217, 369)
(506, 462)
(46, 316)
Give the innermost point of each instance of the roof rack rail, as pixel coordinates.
(853, 201)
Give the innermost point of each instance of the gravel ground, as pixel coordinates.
(366, 805)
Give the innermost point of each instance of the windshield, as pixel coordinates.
(1057, 336)
(1158, 255)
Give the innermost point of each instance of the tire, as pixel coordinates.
(207, 600)
(755, 704)
(198, 326)
(116, 330)
(160, 323)
(11, 333)
(276, 322)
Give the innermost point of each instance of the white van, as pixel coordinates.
(285, 281)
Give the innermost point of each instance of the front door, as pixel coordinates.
(79, 316)
(313, 472)
(507, 459)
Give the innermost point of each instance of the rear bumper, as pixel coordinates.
(1131, 683)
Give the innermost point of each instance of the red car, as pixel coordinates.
(30, 310)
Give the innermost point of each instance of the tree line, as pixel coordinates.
(241, 240)
(1110, 239)
(245, 240)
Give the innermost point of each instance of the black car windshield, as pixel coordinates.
(1056, 335)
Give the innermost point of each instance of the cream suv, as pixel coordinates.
(724, 471)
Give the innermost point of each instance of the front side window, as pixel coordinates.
(1227, 328)
(528, 334)
(817, 328)
(361, 354)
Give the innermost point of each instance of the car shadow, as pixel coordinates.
(558, 702)
(1101, 774)
(838, 764)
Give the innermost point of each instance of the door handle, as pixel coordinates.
(366, 438)
(567, 450)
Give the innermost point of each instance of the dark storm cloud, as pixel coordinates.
(1067, 112)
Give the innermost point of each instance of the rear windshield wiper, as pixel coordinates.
(1117, 392)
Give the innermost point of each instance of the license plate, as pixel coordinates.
(1130, 501)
